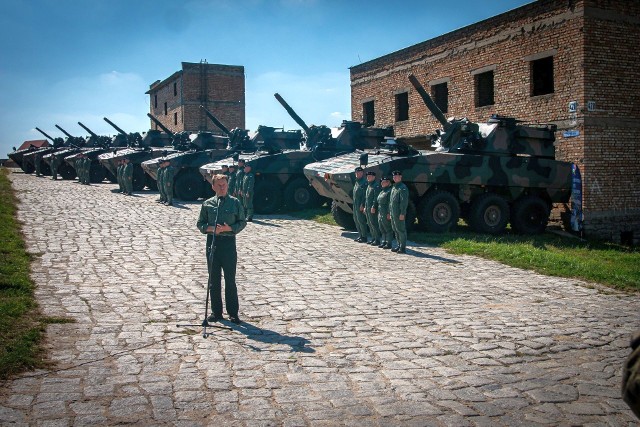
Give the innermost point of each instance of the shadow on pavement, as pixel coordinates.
(252, 332)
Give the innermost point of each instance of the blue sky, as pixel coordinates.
(64, 61)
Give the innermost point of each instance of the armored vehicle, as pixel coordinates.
(96, 145)
(45, 156)
(204, 148)
(138, 149)
(281, 155)
(28, 164)
(490, 174)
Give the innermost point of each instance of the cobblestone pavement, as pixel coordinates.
(336, 333)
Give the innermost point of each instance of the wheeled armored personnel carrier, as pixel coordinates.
(281, 155)
(96, 145)
(490, 174)
(205, 148)
(153, 144)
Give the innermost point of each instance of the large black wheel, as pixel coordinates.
(138, 178)
(188, 185)
(267, 197)
(342, 218)
(151, 183)
(439, 211)
(96, 172)
(530, 215)
(299, 194)
(66, 171)
(489, 213)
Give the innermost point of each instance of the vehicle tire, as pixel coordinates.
(489, 213)
(66, 171)
(138, 178)
(188, 185)
(151, 183)
(439, 212)
(97, 173)
(299, 194)
(530, 215)
(267, 197)
(342, 218)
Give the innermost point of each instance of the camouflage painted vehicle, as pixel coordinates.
(71, 145)
(489, 174)
(138, 149)
(96, 145)
(205, 148)
(280, 157)
(28, 164)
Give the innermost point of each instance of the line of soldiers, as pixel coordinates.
(381, 209)
(83, 169)
(166, 174)
(241, 183)
(125, 176)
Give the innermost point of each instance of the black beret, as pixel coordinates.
(225, 166)
(396, 173)
(359, 169)
(371, 173)
(385, 178)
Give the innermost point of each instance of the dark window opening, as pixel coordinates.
(175, 118)
(368, 114)
(484, 89)
(440, 93)
(402, 106)
(165, 109)
(175, 89)
(542, 76)
(155, 101)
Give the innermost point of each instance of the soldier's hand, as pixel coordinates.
(362, 208)
(401, 217)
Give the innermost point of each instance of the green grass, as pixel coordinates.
(21, 324)
(594, 261)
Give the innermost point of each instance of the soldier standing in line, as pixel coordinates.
(169, 174)
(119, 175)
(359, 195)
(78, 166)
(232, 179)
(127, 176)
(247, 192)
(381, 205)
(160, 182)
(371, 194)
(399, 200)
(86, 165)
(239, 180)
(54, 167)
(225, 171)
(37, 158)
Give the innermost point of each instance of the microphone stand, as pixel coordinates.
(212, 248)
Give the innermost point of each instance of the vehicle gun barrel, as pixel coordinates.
(115, 126)
(292, 113)
(65, 132)
(215, 121)
(160, 125)
(437, 113)
(44, 133)
(92, 133)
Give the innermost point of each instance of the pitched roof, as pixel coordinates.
(35, 142)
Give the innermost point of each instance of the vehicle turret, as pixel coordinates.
(56, 141)
(238, 138)
(159, 124)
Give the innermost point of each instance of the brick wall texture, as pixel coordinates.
(176, 101)
(594, 48)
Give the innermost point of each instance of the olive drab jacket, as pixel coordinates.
(382, 201)
(399, 199)
(359, 193)
(373, 189)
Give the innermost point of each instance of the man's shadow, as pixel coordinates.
(296, 344)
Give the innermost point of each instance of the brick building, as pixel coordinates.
(176, 101)
(569, 62)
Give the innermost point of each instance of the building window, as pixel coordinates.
(155, 101)
(175, 118)
(440, 93)
(402, 106)
(165, 109)
(542, 76)
(484, 88)
(175, 88)
(368, 114)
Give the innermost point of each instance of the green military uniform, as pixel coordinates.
(247, 194)
(228, 210)
(359, 195)
(55, 163)
(239, 181)
(120, 170)
(399, 201)
(169, 174)
(37, 159)
(86, 165)
(232, 180)
(160, 181)
(78, 166)
(631, 377)
(382, 207)
(371, 194)
(127, 178)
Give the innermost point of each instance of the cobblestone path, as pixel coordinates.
(335, 333)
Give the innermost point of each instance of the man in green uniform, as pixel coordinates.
(169, 174)
(381, 205)
(86, 165)
(359, 195)
(225, 171)
(247, 192)
(127, 176)
(371, 194)
(119, 170)
(37, 158)
(223, 216)
(160, 181)
(399, 200)
(55, 163)
(239, 180)
(78, 166)
(232, 179)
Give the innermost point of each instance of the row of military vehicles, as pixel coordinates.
(489, 174)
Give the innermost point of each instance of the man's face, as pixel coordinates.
(220, 187)
(247, 169)
(359, 174)
(371, 178)
(397, 178)
(385, 183)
